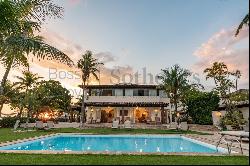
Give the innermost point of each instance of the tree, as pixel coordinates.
(200, 106)
(27, 82)
(9, 92)
(175, 82)
(245, 21)
(219, 72)
(88, 66)
(52, 94)
(221, 76)
(19, 20)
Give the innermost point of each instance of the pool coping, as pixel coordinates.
(9, 143)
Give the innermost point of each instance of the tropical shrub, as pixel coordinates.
(200, 105)
(233, 118)
(9, 122)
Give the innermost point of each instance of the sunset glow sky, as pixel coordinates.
(129, 35)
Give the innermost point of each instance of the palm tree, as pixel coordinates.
(245, 21)
(19, 20)
(27, 82)
(88, 66)
(174, 81)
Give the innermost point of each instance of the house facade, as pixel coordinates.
(137, 103)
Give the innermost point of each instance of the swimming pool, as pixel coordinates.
(116, 143)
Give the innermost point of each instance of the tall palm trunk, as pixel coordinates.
(5, 76)
(4, 80)
(236, 84)
(1, 107)
(83, 107)
(28, 111)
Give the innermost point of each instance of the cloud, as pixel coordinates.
(225, 47)
(105, 57)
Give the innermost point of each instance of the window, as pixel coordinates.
(152, 92)
(135, 92)
(125, 112)
(118, 92)
(140, 92)
(146, 92)
(107, 92)
(95, 92)
(128, 92)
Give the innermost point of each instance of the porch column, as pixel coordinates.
(170, 111)
(163, 115)
(167, 116)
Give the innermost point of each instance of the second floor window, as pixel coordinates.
(107, 92)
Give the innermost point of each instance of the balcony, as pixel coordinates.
(127, 99)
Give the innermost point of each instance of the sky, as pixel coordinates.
(145, 36)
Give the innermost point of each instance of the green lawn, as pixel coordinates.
(8, 135)
(120, 159)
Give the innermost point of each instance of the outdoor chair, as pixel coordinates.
(39, 125)
(184, 126)
(127, 124)
(148, 121)
(152, 121)
(50, 125)
(16, 125)
(115, 124)
(98, 120)
(89, 121)
(173, 125)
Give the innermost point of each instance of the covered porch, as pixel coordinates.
(143, 114)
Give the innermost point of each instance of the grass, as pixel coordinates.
(8, 134)
(63, 159)
(80, 159)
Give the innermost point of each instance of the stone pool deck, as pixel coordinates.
(210, 139)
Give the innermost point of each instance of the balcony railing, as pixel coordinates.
(127, 99)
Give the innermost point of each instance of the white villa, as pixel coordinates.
(138, 103)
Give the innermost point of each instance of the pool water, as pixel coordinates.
(116, 143)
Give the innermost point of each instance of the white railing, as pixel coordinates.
(127, 99)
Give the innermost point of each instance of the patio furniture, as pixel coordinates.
(184, 126)
(16, 124)
(152, 121)
(89, 120)
(173, 125)
(148, 120)
(98, 120)
(118, 118)
(127, 124)
(39, 125)
(237, 137)
(50, 125)
(115, 124)
(229, 127)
